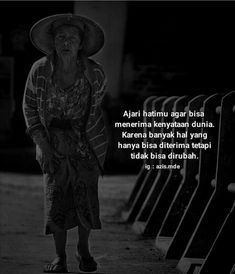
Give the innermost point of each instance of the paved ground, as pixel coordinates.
(24, 249)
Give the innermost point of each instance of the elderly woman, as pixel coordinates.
(63, 116)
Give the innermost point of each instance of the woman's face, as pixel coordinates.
(67, 41)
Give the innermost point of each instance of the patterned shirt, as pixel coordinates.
(34, 106)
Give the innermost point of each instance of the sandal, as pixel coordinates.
(56, 266)
(86, 265)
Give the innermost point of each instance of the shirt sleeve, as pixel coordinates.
(30, 108)
(101, 81)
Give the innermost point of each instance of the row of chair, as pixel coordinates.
(190, 211)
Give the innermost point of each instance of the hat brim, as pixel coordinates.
(42, 38)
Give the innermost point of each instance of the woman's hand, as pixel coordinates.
(47, 152)
(50, 157)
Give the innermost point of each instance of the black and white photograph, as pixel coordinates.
(117, 140)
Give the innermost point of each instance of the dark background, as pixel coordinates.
(175, 48)
(195, 38)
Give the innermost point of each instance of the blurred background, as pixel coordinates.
(152, 48)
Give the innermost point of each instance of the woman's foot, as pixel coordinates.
(58, 265)
(87, 264)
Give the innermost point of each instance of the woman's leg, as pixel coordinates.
(83, 246)
(58, 265)
(60, 239)
(86, 261)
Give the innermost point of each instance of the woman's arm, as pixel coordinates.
(34, 126)
(30, 108)
(101, 81)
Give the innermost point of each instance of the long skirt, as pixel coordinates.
(71, 193)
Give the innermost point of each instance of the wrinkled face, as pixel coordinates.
(67, 41)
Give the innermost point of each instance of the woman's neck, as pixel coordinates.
(67, 64)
